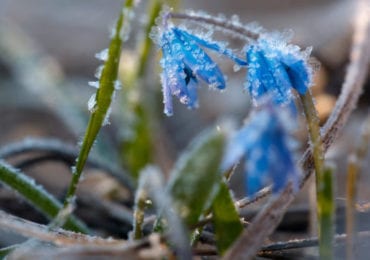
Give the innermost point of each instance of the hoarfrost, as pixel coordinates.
(107, 115)
(94, 84)
(103, 55)
(128, 15)
(117, 85)
(236, 67)
(99, 71)
(91, 104)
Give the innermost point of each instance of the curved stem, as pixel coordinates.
(236, 28)
(61, 151)
(323, 178)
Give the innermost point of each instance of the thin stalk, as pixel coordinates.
(136, 115)
(354, 165)
(324, 193)
(139, 218)
(146, 44)
(141, 202)
(236, 28)
(103, 100)
(326, 209)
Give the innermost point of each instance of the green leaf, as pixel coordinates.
(225, 219)
(137, 150)
(104, 94)
(36, 195)
(103, 97)
(137, 111)
(195, 179)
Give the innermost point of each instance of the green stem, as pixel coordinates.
(136, 115)
(147, 43)
(324, 189)
(36, 195)
(325, 200)
(103, 100)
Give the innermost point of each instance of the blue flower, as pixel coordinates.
(276, 68)
(266, 144)
(184, 62)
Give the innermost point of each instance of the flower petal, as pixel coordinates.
(200, 63)
(213, 46)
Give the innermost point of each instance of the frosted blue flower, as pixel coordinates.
(266, 145)
(184, 62)
(276, 68)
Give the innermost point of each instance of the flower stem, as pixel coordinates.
(146, 44)
(236, 28)
(354, 164)
(324, 188)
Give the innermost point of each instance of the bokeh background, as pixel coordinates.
(50, 45)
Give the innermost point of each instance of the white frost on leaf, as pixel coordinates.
(103, 55)
(91, 104)
(94, 84)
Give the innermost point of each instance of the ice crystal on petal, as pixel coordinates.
(183, 63)
(275, 67)
(267, 145)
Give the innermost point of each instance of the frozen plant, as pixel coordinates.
(267, 146)
(276, 67)
(184, 62)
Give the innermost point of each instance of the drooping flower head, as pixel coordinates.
(266, 144)
(184, 63)
(275, 68)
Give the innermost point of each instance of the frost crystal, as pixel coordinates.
(274, 67)
(99, 71)
(94, 84)
(117, 85)
(267, 145)
(103, 55)
(91, 104)
(107, 116)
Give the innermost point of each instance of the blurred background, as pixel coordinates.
(47, 53)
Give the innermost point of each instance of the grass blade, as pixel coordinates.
(36, 195)
(196, 177)
(102, 103)
(226, 219)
